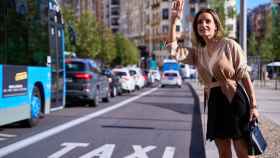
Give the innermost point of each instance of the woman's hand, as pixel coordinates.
(254, 114)
(177, 9)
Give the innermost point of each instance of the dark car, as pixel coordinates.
(114, 82)
(85, 82)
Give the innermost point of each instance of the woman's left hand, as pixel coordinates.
(254, 114)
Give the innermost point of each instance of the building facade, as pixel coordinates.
(79, 6)
(112, 9)
(132, 20)
(257, 20)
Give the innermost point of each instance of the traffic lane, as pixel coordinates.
(154, 126)
(15, 132)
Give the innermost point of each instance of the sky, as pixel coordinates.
(252, 3)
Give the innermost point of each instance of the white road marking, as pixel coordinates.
(140, 152)
(7, 135)
(169, 152)
(67, 148)
(43, 135)
(104, 151)
(1, 139)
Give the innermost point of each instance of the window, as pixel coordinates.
(114, 30)
(192, 11)
(230, 11)
(115, 2)
(25, 33)
(230, 27)
(165, 28)
(115, 21)
(115, 11)
(165, 14)
(178, 28)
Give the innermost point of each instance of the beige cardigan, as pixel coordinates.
(226, 65)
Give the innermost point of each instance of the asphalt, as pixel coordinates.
(268, 100)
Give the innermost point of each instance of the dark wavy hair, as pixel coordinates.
(220, 31)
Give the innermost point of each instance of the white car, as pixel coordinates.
(136, 73)
(127, 81)
(171, 78)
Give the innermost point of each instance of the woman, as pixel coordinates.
(221, 66)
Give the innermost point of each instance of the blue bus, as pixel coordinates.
(31, 60)
(170, 64)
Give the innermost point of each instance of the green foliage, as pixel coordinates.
(266, 46)
(70, 20)
(88, 38)
(96, 41)
(265, 50)
(108, 45)
(276, 32)
(252, 45)
(219, 7)
(127, 52)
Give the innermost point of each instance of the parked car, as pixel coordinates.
(171, 78)
(153, 77)
(139, 79)
(85, 82)
(127, 81)
(114, 82)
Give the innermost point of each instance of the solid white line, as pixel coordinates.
(7, 135)
(40, 136)
(1, 139)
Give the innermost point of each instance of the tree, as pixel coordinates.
(219, 7)
(131, 54)
(127, 52)
(266, 44)
(252, 45)
(276, 31)
(88, 38)
(108, 45)
(70, 23)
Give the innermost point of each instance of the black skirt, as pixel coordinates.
(227, 120)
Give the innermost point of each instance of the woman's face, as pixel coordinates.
(206, 26)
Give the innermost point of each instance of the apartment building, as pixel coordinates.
(112, 14)
(132, 20)
(256, 20)
(231, 20)
(80, 6)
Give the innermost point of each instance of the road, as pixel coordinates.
(151, 123)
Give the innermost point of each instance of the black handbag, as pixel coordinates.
(257, 143)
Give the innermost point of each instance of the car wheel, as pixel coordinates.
(114, 92)
(120, 92)
(106, 99)
(95, 101)
(162, 86)
(36, 105)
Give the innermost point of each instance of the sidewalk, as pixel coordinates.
(268, 100)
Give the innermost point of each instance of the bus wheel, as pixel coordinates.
(36, 104)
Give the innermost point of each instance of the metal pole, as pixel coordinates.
(243, 26)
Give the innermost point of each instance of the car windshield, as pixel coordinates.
(75, 66)
(170, 74)
(132, 72)
(120, 73)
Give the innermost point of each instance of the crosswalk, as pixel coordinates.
(6, 136)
